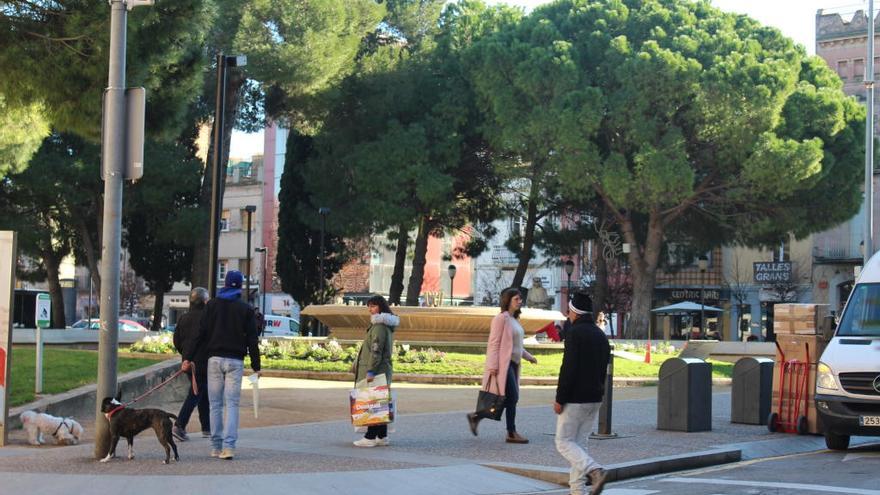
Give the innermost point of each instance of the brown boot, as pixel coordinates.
(597, 480)
(514, 437)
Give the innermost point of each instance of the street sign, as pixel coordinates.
(43, 313)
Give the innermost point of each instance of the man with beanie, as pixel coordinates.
(579, 393)
(185, 335)
(228, 332)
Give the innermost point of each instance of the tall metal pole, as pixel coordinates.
(250, 211)
(323, 229)
(265, 266)
(216, 182)
(703, 303)
(114, 137)
(869, 139)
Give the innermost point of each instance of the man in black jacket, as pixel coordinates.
(228, 332)
(579, 393)
(185, 334)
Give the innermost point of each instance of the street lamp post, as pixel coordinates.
(323, 211)
(569, 269)
(263, 276)
(250, 209)
(452, 269)
(703, 263)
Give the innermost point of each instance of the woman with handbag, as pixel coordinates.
(374, 358)
(504, 353)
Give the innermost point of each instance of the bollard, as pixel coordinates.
(684, 395)
(604, 431)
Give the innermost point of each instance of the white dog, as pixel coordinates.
(65, 430)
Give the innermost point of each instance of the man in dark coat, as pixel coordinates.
(185, 335)
(228, 333)
(579, 393)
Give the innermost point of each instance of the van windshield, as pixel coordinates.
(861, 318)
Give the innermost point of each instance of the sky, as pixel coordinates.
(795, 18)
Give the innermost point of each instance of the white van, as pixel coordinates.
(848, 373)
(280, 326)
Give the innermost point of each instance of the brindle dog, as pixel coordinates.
(127, 422)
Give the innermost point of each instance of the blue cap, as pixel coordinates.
(233, 279)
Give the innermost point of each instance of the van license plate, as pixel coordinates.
(869, 420)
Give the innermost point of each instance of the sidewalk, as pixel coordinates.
(301, 444)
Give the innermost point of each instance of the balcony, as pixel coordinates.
(832, 251)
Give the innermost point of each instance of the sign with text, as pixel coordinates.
(772, 272)
(7, 284)
(43, 310)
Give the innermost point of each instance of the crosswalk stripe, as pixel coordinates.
(770, 484)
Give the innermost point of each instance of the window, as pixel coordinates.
(843, 69)
(858, 68)
(862, 315)
(222, 268)
(243, 266)
(781, 253)
(224, 221)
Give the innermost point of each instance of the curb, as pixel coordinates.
(628, 470)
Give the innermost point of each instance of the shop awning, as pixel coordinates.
(685, 308)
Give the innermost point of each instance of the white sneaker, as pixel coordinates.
(382, 442)
(365, 442)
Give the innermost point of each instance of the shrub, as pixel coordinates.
(154, 344)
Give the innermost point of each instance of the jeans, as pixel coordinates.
(224, 390)
(380, 431)
(192, 400)
(511, 397)
(575, 423)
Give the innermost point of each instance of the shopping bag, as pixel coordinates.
(370, 402)
(490, 405)
(392, 415)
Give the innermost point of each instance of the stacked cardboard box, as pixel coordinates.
(795, 347)
(798, 319)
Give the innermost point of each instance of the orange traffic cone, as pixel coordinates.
(648, 353)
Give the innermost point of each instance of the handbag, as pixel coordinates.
(489, 405)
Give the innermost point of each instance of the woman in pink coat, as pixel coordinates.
(504, 354)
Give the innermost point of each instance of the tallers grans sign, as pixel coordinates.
(772, 272)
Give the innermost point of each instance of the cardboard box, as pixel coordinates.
(798, 319)
(795, 347)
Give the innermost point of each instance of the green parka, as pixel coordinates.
(375, 353)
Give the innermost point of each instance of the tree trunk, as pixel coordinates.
(525, 253)
(53, 262)
(156, 324)
(92, 260)
(201, 259)
(643, 265)
(417, 276)
(600, 289)
(399, 263)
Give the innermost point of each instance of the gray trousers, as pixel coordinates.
(575, 423)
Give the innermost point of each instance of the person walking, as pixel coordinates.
(374, 358)
(228, 332)
(504, 353)
(579, 393)
(185, 335)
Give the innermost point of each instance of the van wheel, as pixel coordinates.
(773, 422)
(836, 442)
(802, 428)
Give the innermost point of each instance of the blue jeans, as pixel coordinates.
(224, 390)
(511, 397)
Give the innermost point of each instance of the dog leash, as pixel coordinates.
(157, 387)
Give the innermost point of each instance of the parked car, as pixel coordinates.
(280, 326)
(95, 324)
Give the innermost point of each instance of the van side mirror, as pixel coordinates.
(829, 325)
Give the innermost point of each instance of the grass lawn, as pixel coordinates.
(457, 363)
(63, 369)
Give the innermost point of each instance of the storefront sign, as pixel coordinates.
(772, 272)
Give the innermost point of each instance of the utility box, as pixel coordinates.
(752, 391)
(684, 395)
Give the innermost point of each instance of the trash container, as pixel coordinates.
(752, 391)
(684, 395)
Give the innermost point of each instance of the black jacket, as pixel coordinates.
(228, 329)
(584, 363)
(186, 334)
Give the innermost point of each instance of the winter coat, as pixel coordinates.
(228, 329)
(186, 334)
(584, 363)
(498, 352)
(378, 345)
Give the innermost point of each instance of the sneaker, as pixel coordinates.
(179, 433)
(514, 437)
(597, 480)
(382, 442)
(215, 452)
(227, 454)
(473, 421)
(206, 434)
(365, 442)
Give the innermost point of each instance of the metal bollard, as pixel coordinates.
(604, 431)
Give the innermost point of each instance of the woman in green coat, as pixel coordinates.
(375, 358)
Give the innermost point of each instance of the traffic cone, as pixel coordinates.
(648, 353)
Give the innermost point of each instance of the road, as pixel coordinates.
(825, 472)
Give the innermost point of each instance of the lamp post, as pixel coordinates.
(703, 263)
(323, 211)
(223, 62)
(569, 269)
(452, 269)
(263, 276)
(250, 209)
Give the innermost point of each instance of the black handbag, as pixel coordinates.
(489, 405)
